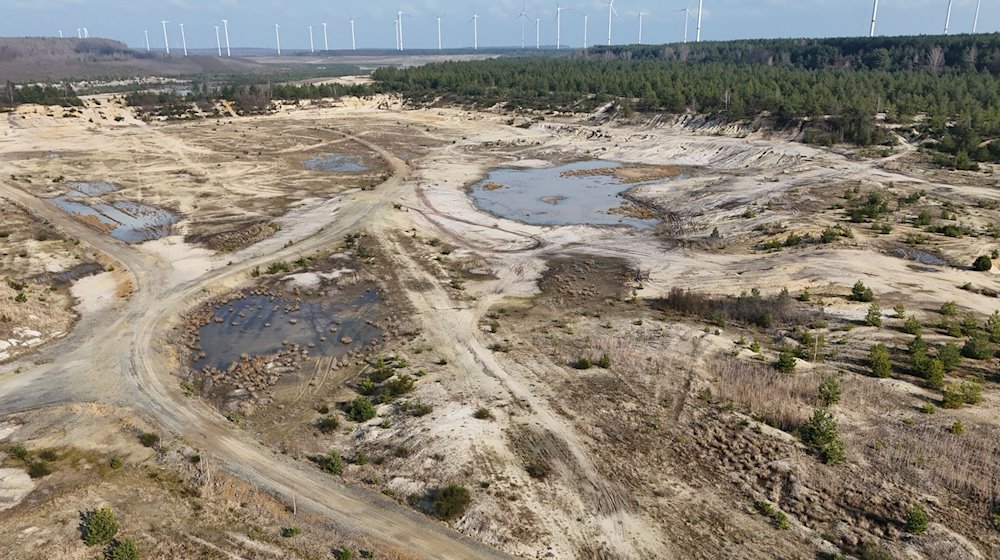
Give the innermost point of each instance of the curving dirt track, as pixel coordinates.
(121, 360)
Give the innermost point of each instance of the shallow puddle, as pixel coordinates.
(261, 325)
(347, 163)
(922, 257)
(125, 220)
(561, 195)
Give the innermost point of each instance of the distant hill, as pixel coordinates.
(52, 59)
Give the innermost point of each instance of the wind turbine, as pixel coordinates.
(538, 33)
(611, 13)
(146, 32)
(440, 43)
(326, 41)
(218, 41)
(400, 15)
(874, 18)
(558, 26)
(975, 23)
(701, 9)
(225, 24)
(184, 40)
(947, 18)
(86, 34)
(586, 25)
(60, 34)
(523, 17)
(277, 37)
(687, 22)
(166, 39)
(79, 33)
(475, 32)
(641, 15)
(395, 28)
(312, 46)
(354, 43)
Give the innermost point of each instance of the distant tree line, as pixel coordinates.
(832, 88)
(42, 95)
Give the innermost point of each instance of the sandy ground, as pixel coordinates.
(457, 267)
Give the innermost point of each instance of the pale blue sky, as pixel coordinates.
(252, 21)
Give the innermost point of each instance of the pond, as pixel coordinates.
(576, 193)
(260, 325)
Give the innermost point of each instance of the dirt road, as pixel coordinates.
(119, 359)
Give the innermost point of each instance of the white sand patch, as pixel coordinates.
(188, 261)
(94, 293)
(15, 485)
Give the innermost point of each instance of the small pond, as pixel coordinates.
(260, 325)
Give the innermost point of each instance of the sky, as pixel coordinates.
(251, 22)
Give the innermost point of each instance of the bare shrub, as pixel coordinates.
(780, 400)
(748, 309)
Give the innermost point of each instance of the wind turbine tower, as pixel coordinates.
(975, 22)
(701, 9)
(225, 24)
(538, 33)
(558, 26)
(687, 22)
(79, 33)
(874, 18)
(354, 42)
(947, 18)
(184, 41)
(586, 27)
(440, 43)
(146, 32)
(642, 14)
(475, 32)
(401, 14)
(218, 41)
(523, 17)
(166, 39)
(326, 41)
(611, 13)
(86, 34)
(277, 37)
(312, 46)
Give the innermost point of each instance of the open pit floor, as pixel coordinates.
(600, 391)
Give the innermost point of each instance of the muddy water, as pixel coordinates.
(125, 220)
(266, 323)
(346, 163)
(922, 257)
(546, 197)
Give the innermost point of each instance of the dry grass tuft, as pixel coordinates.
(778, 399)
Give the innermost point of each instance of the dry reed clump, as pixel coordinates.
(778, 399)
(747, 309)
(928, 454)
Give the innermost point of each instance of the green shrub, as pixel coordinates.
(451, 502)
(949, 309)
(99, 527)
(149, 439)
(978, 348)
(361, 409)
(123, 549)
(983, 264)
(917, 521)
(912, 325)
(19, 452)
(117, 463)
(900, 310)
(923, 219)
(957, 428)
(993, 327)
(604, 362)
(878, 360)
(830, 391)
(582, 363)
(967, 392)
(289, 532)
(874, 316)
(420, 409)
(755, 347)
(396, 387)
(969, 325)
(482, 413)
(786, 360)
(862, 293)
(778, 517)
(334, 463)
(820, 435)
(950, 357)
(538, 470)
(343, 554)
(21, 297)
(327, 424)
(934, 376)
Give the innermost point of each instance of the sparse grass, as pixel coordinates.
(777, 517)
(775, 398)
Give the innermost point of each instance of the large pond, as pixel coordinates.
(261, 325)
(576, 193)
